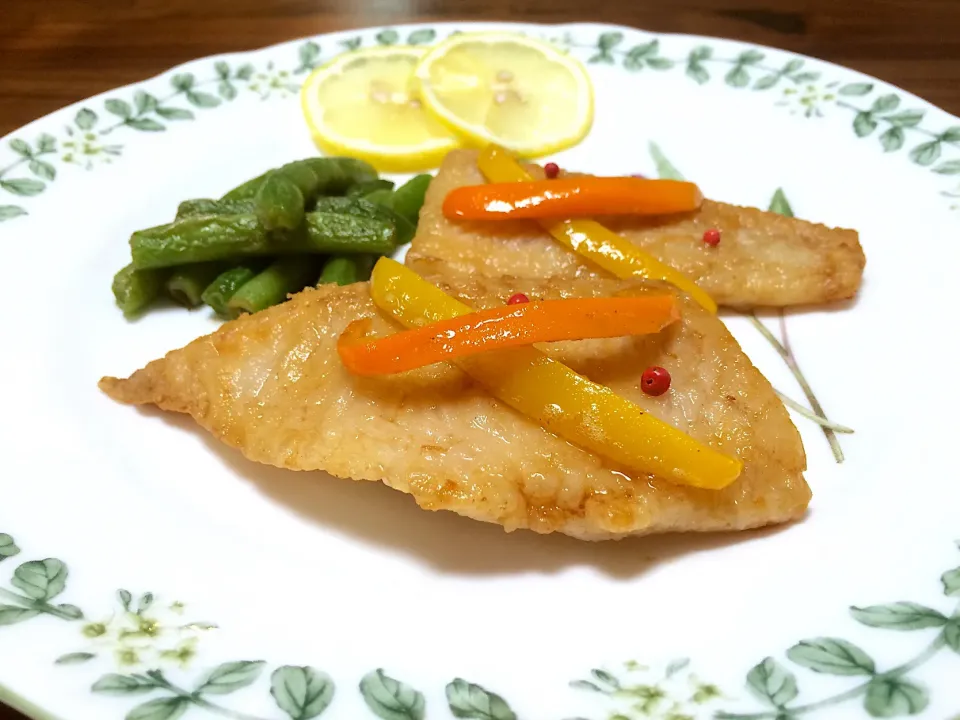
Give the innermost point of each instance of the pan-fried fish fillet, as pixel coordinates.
(272, 385)
(763, 259)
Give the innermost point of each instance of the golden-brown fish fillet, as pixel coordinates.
(272, 385)
(763, 259)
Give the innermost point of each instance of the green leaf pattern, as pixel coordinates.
(605, 45)
(893, 139)
(114, 684)
(899, 616)
(85, 119)
(309, 55)
(168, 113)
(160, 709)
(951, 635)
(771, 683)
(301, 692)
(391, 699)
(11, 614)
(893, 697)
(8, 548)
(864, 124)
(25, 187)
(230, 677)
(951, 582)
(646, 55)
(76, 658)
(144, 102)
(421, 37)
(951, 167)
(856, 89)
(927, 153)
(21, 147)
(9, 212)
(388, 37)
(41, 579)
(467, 700)
(43, 170)
(832, 656)
(120, 108)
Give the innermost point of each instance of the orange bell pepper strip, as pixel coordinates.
(590, 239)
(503, 327)
(571, 197)
(567, 404)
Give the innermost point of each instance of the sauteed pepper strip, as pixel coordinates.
(605, 248)
(584, 413)
(569, 197)
(503, 327)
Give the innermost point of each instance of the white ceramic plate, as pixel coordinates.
(345, 601)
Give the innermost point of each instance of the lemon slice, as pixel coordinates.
(363, 104)
(507, 89)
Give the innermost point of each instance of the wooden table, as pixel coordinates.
(56, 52)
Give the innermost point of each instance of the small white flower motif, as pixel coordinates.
(86, 149)
(807, 99)
(644, 693)
(272, 82)
(147, 635)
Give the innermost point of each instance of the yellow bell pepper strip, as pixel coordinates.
(567, 404)
(569, 197)
(590, 239)
(503, 327)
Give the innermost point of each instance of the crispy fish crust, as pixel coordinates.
(764, 259)
(272, 385)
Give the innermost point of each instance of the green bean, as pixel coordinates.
(330, 176)
(350, 172)
(135, 290)
(381, 197)
(363, 189)
(335, 232)
(246, 191)
(224, 286)
(408, 198)
(361, 207)
(347, 269)
(199, 239)
(280, 202)
(205, 206)
(385, 201)
(303, 176)
(286, 275)
(337, 174)
(358, 207)
(228, 237)
(299, 172)
(186, 284)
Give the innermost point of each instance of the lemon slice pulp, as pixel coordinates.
(507, 89)
(364, 104)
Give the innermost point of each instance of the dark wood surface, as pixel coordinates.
(56, 52)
